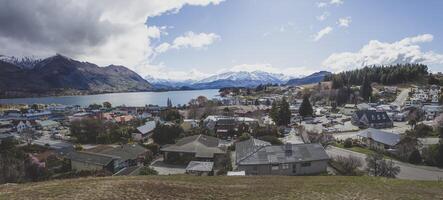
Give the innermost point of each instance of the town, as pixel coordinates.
(326, 128)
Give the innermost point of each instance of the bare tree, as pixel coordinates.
(377, 166)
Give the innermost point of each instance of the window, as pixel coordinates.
(306, 164)
(275, 167)
(254, 168)
(285, 166)
(294, 168)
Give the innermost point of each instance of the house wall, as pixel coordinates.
(315, 167)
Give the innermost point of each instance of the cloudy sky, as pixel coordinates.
(190, 39)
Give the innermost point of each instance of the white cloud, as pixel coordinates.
(323, 16)
(375, 52)
(189, 40)
(336, 2)
(344, 22)
(322, 4)
(163, 72)
(322, 33)
(102, 32)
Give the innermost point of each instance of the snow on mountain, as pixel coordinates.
(23, 62)
(261, 76)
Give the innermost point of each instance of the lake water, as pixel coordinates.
(116, 99)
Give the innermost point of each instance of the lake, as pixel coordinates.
(116, 99)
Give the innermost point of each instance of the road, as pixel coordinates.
(401, 98)
(407, 171)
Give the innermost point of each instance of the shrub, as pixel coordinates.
(348, 143)
(146, 171)
(271, 139)
(415, 157)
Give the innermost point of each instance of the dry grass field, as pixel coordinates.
(192, 187)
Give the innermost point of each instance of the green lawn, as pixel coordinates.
(362, 150)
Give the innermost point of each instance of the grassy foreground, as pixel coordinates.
(192, 187)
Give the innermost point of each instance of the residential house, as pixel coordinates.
(257, 157)
(379, 140)
(194, 148)
(109, 158)
(144, 131)
(371, 119)
(88, 161)
(47, 124)
(127, 155)
(432, 111)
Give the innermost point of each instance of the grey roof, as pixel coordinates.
(288, 153)
(245, 148)
(374, 116)
(203, 146)
(92, 158)
(125, 152)
(148, 127)
(200, 166)
(383, 137)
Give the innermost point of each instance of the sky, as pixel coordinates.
(192, 39)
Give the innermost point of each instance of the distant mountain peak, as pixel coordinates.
(21, 62)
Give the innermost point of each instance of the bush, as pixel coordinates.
(347, 165)
(415, 157)
(244, 136)
(348, 143)
(271, 139)
(147, 171)
(153, 147)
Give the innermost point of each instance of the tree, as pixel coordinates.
(273, 113)
(271, 139)
(107, 105)
(377, 166)
(348, 143)
(95, 106)
(305, 109)
(171, 115)
(169, 103)
(284, 114)
(166, 134)
(366, 89)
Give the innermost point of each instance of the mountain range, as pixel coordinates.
(60, 75)
(237, 79)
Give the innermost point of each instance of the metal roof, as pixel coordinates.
(203, 146)
(288, 153)
(383, 137)
(148, 127)
(92, 158)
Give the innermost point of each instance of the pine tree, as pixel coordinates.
(284, 114)
(274, 112)
(366, 89)
(305, 109)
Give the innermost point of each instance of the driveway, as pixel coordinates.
(407, 171)
(401, 98)
(292, 138)
(167, 169)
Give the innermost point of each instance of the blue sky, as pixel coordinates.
(281, 33)
(192, 39)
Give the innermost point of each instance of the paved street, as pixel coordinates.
(292, 138)
(407, 171)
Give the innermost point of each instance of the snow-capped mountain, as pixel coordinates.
(262, 76)
(160, 83)
(24, 62)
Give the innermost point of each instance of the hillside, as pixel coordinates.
(193, 187)
(313, 78)
(59, 75)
